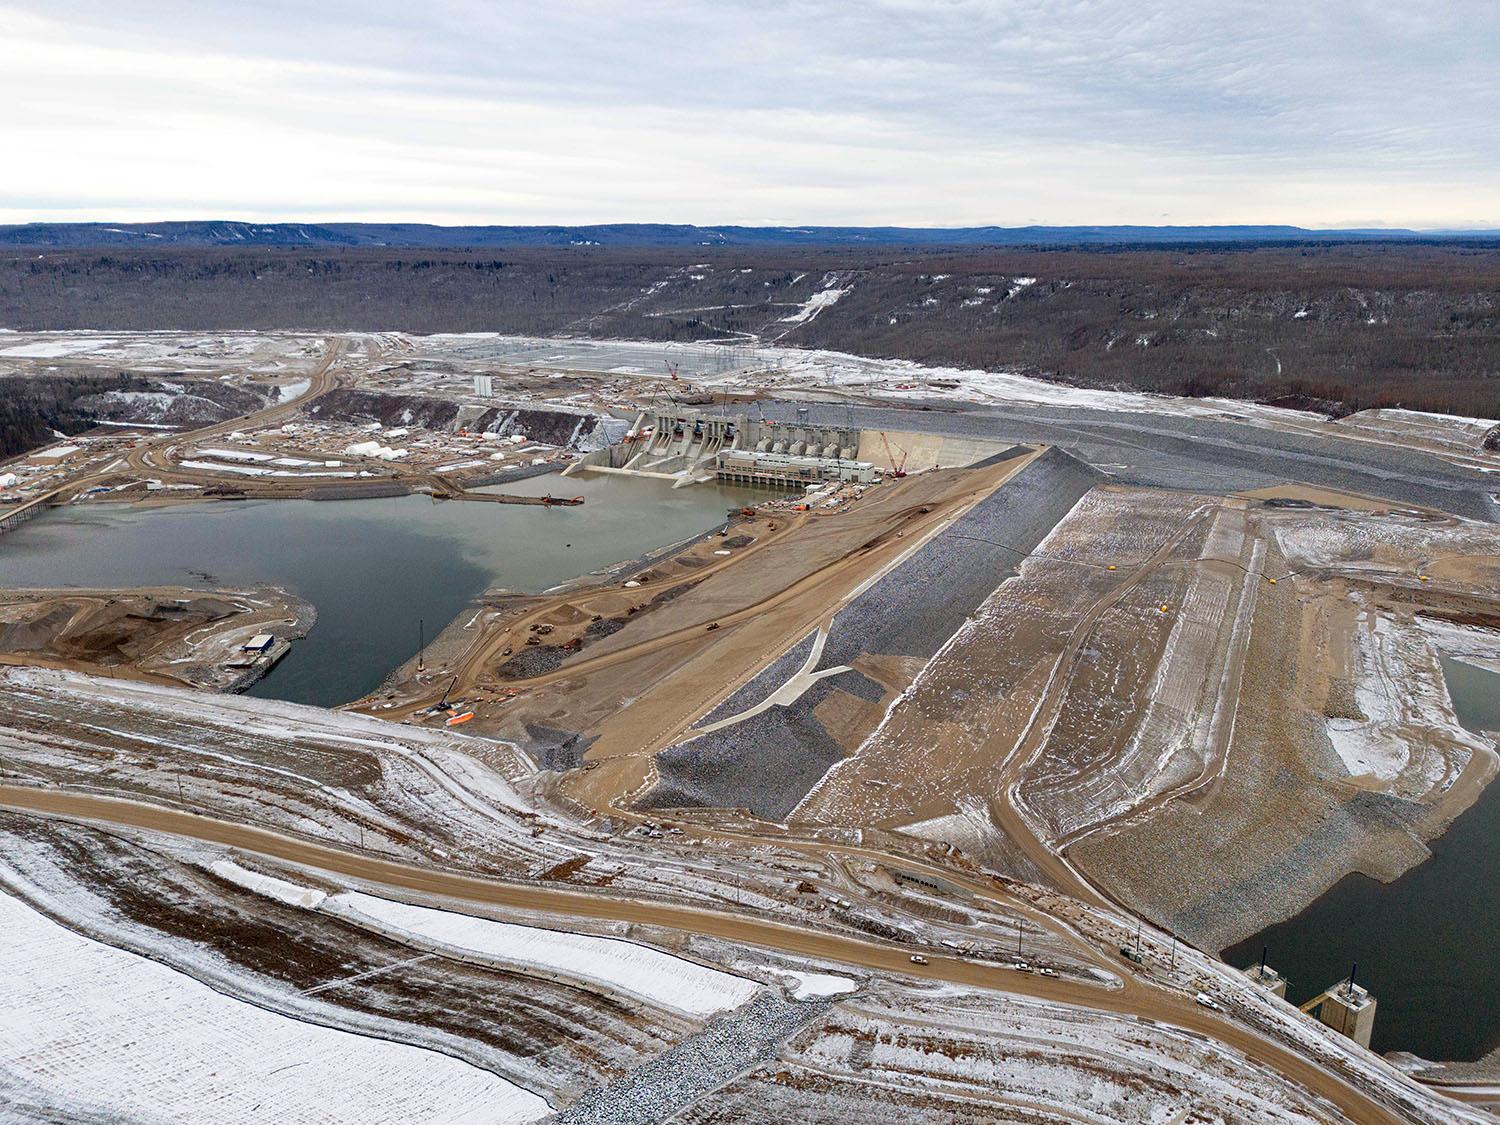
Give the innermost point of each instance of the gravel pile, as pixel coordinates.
(696, 1067)
(604, 627)
(766, 764)
(533, 660)
(506, 476)
(555, 749)
(671, 595)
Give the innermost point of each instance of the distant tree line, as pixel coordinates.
(1337, 327)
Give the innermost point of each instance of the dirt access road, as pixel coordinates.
(1135, 998)
(153, 458)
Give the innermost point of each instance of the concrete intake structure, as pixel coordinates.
(1346, 1007)
(688, 447)
(1268, 978)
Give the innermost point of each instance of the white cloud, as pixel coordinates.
(892, 111)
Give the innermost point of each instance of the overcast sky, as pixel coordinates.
(912, 112)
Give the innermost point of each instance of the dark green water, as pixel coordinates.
(1428, 945)
(372, 568)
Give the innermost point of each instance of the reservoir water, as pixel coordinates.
(1428, 945)
(372, 568)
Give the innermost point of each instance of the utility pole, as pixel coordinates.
(1349, 999)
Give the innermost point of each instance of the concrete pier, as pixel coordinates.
(1346, 1007)
(1268, 978)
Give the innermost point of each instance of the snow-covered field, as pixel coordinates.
(258, 352)
(52, 348)
(623, 966)
(97, 1030)
(660, 978)
(1410, 731)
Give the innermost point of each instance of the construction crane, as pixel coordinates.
(896, 470)
(672, 370)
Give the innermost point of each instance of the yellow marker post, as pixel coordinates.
(1112, 566)
(1164, 609)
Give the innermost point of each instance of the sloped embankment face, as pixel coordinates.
(176, 402)
(550, 427)
(773, 757)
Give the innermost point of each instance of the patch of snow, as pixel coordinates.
(818, 986)
(53, 348)
(215, 467)
(290, 392)
(657, 977)
(822, 299)
(118, 1035)
(268, 885)
(233, 455)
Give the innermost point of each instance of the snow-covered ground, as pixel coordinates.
(654, 976)
(622, 966)
(1472, 645)
(818, 986)
(290, 392)
(90, 1029)
(1410, 728)
(253, 471)
(267, 351)
(809, 310)
(52, 348)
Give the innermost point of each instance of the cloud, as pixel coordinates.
(888, 111)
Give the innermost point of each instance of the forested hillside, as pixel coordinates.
(1338, 327)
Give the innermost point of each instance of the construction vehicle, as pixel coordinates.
(896, 470)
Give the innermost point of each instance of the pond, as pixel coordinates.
(373, 568)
